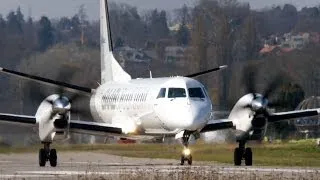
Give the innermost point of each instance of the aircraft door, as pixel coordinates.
(160, 106)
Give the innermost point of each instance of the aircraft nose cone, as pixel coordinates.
(195, 118)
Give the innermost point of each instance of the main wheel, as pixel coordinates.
(42, 157)
(53, 157)
(237, 157)
(248, 157)
(182, 160)
(190, 160)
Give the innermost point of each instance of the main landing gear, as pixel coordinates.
(186, 153)
(241, 153)
(47, 154)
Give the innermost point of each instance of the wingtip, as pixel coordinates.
(223, 67)
(1, 68)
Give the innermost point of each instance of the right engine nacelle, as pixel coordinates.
(52, 126)
(249, 125)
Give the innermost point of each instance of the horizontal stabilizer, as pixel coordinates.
(206, 72)
(65, 86)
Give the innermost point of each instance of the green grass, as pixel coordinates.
(292, 153)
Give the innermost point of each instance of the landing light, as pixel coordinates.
(129, 127)
(186, 152)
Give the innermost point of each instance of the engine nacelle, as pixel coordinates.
(249, 125)
(52, 126)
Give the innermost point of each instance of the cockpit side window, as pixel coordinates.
(176, 93)
(205, 92)
(162, 93)
(196, 93)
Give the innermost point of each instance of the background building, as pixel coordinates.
(309, 126)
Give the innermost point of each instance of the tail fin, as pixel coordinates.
(110, 68)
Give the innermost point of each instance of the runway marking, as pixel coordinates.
(117, 164)
(274, 170)
(65, 173)
(158, 169)
(26, 176)
(6, 161)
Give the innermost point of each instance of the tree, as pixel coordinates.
(290, 96)
(20, 17)
(200, 43)
(14, 25)
(45, 34)
(309, 20)
(119, 43)
(64, 24)
(76, 26)
(2, 22)
(250, 37)
(82, 14)
(30, 36)
(158, 25)
(183, 34)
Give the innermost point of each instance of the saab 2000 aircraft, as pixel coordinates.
(125, 107)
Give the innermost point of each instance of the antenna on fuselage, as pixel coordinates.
(150, 72)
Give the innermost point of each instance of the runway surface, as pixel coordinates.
(94, 165)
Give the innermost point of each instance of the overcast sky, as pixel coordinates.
(58, 8)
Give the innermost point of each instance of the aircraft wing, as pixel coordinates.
(84, 127)
(18, 119)
(93, 128)
(215, 125)
(293, 114)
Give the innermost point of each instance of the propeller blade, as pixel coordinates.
(206, 72)
(35, 93)
(273, 86)
(249, 80)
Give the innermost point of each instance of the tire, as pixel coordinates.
(190, 160)
(182, 160)
(42, 157)
(248, 157)
(237, 157)
(53, 157)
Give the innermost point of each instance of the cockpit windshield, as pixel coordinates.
(196, 93)
(176, 93)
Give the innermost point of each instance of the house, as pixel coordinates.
(278, 50)
(129, 54)
(296, 41)
(174, 54)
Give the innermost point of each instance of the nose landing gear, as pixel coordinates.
(47, 154)
(241, 153)
(186, 153)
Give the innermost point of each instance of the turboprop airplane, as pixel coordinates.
(126, 107)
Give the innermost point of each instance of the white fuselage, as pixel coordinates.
(153, 106)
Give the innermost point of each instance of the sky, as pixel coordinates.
(59, 8)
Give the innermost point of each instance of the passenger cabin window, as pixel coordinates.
(162, 93)
(196, 93)
(176, 93)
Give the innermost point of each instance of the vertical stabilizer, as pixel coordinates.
(110, 68)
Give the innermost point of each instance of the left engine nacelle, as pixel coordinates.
(250, 125)
(52, 125)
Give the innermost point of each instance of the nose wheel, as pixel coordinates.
(47, 154)
(186, 153)
(186, 156)
(242, 153)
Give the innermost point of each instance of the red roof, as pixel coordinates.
(267, 49)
